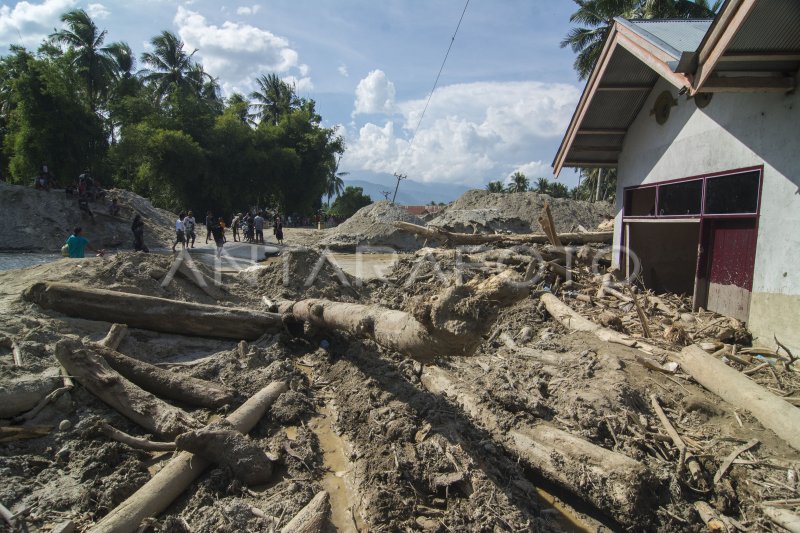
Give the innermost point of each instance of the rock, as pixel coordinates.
(64, 425)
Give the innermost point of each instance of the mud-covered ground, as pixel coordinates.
(359, 423)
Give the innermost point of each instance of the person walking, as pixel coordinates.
(209, 223)
(77, 244)
(278, 229)
(180, 233)
(235, 223)
(138, 234)
(258, 224)
(188, 227)
(219, 237)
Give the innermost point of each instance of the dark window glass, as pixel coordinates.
(732, 194)
(640, 202)
(680, 198)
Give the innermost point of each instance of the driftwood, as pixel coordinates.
(604, 237)
(572, 320)
(166, 384)
(220, 443)
(786, 519)
(311, 518)
(726, 464)
(432, 331)
(116, 334)
(612, 482)
(6, 515)
(159, 493)
(92, 371)
(15, 433)
(25, 393)
(156, 314)
(134, 442)
(710, 517)
(685, 455)
(732, 386)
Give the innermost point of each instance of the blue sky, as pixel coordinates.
(502, 103)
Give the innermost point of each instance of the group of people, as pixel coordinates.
(252, 226)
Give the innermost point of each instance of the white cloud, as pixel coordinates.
(248, 10)
(29, 23)
(471, 133)
(300, 84)
(97, 11)
(375, 94)
(238, 53)
(343, 70)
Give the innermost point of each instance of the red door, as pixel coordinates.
(731, 258)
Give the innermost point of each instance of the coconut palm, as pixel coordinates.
(273, 99)
(595, 17)
(94, 63)
(495, 186)
(169, 67)
(334, 184)
(519, 183)
(542, 185)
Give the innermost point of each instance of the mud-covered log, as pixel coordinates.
(140, 406)
(149, 312)
(159, 493)
(610, 481)
(116, 334)
(220, 443)
(440, 328)
(311, 518)
(450, 237)
(572, 320)
(166, 384)
(738, 390)
(24, 393)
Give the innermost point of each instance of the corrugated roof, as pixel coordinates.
(773, 27)
(674, 36)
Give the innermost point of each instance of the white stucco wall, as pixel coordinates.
(734, 131)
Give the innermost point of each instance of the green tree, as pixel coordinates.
(595, 17)
(168, 66)
(334, 184)
(558, 190)
(94, 63)
(495, 186)
(350, 201)
(519, 182)
(542, 185)
(274, 98)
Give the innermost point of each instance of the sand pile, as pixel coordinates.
(40, 221)
(372, 226)
(478, 211)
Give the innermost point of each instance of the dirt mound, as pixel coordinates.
(35, 220)
(372, 226)
(478, 211)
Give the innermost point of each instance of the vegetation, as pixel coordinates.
(586, 189)
(350, 201)
(78, 103)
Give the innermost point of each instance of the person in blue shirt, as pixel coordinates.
(77, 243)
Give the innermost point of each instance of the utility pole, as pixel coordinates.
(400, 177)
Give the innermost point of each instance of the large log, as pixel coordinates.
(156, 314)
(572, 320)
(92, 371)
(166, 384)
(604, 237)
(159, 493)
(441, 329)
(311, 518)
(737, 389)
(610, 481)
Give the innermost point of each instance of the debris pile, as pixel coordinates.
(373, 226)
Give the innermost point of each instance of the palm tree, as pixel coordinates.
(595, 17)
(334, 184)
(169, 66)
(273, 99)
(519, 183)
(543, 185)
(495, 186)
(94, 63)
(239, 106)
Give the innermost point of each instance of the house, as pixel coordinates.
(701, 119)
(422, 210)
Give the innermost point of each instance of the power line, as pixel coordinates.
(435, 82)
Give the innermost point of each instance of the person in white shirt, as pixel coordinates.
(188, 228)
(179, 233)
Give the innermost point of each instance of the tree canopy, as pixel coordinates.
(78, 103)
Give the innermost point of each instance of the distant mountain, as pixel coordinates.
(410, 192)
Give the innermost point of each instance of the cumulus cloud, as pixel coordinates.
(97, 11)
(29, 23)
(238, 53)
(248, 10)
(375, 94)
(471, 133)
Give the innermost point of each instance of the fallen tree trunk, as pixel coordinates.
(156, 314)
(735, 388)
(26, 392)
(92, 371)
(158, 493)
(312, 517)
(610, 481)
(604, 237)
(572, 320)
(437, 328)
(166, 384)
